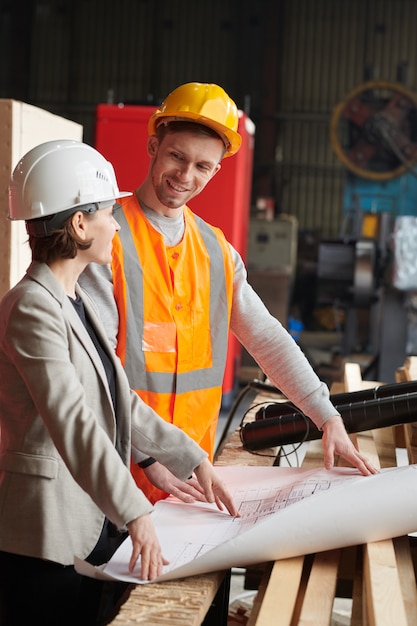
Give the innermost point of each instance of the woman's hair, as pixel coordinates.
(62, 243)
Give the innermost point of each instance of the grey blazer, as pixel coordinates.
(60, 473)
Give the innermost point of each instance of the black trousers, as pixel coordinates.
(37, 591)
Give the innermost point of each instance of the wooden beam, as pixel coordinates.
(183, 602)
(319, 596)
(278, 593)
(385, 603)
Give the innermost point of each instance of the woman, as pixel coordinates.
(69, 422)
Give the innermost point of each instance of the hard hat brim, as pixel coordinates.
(231, 139)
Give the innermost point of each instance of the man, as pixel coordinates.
(176, 286)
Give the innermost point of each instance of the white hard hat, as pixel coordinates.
(60, 175)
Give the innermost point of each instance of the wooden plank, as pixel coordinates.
(276, 599)
(321, 587)
(352, 377)
(407, 577)
(385, 603)
(378, 446)
(385, 444)
(233, 453)
(410, 366)
(174, 603)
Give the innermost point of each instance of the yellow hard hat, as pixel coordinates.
(204, 103)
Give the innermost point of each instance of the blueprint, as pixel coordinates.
(284, 512)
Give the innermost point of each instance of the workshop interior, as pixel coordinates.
(321, 200)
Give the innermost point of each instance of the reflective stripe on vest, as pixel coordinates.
(135, 366)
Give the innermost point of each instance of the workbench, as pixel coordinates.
(379, 577)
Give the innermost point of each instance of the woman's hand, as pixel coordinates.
(146, 546)
(336, 441)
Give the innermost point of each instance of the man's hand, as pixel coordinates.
(205, 486)
(336, 441)
(145, 545)
(187, 491)
(214, 488)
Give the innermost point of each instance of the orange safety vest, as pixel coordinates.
(174, 308)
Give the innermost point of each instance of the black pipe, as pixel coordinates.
(357, 417)
(276, 409)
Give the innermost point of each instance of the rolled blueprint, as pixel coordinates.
(285, 512)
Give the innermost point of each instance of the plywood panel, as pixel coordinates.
(22, 127)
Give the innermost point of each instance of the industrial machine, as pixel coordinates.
(373, 132)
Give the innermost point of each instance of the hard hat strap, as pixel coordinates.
(44, 226)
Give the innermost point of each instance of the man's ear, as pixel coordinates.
(152, 145)
(216, 169)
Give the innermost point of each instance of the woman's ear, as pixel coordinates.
(78, 222)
